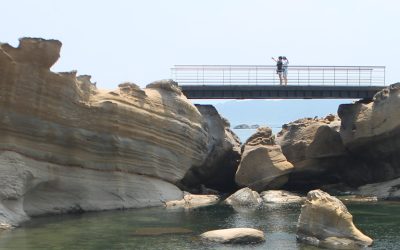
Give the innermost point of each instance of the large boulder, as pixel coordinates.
(234, 236)
(371, 133)
(315, 148)
(223, 156)
(263, 166)
(325, 221)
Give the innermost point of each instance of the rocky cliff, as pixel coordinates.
(67, 146)
(223, 156)
(371, 133)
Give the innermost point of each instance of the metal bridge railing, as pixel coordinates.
(266, 75)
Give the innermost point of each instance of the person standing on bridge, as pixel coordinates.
(279, 68)
(285, 69)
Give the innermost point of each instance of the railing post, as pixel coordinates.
(308, 68)
(334, 76)
(203, 76)
(347, 77)
(257, 75)
(384, 76)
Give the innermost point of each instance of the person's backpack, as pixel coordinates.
(279, 66)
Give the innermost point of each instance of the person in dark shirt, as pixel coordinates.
(279, 68)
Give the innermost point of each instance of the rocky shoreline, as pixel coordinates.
(67, 146)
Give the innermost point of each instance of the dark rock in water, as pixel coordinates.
(156, 231)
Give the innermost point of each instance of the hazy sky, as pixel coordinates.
(139, 41)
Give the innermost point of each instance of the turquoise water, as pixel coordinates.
(116, 229)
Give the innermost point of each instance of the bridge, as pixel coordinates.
(262, 82)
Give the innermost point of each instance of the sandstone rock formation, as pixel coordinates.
(388, 190)
(191, 201)
(280, 197)
(67, 146)
(244, 197)
(263, 166)
(324, 221)
(371, 133)
(223, 150)
(234, 236)
(315, 148)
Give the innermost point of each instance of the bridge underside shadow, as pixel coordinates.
(278, 92)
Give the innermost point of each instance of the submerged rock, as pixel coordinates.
(325, 221)
(156, 231)
(234, 236)
(263, 166)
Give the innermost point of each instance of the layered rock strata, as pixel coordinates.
(223, 156)
(371, 133)
(263, 166)
(67, 146)
(315, 148)
(325, 221)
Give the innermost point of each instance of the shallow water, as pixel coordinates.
(118, 229)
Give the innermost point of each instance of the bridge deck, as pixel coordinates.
(262, 82)
(278, 92)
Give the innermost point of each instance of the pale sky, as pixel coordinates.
(139, 41)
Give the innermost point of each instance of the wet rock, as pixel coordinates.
(281, 197)
(191, 201)
(325, 221)
(244, 197)
(234, 236)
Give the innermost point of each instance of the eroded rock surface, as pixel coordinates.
(281, 197)
(388, 190)
(67, 146)
(244, 197)
(234, 236)
(315, 148)
(371, 133)
(325, 221)
(191, 201)
(263, 166)
(223, 150)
